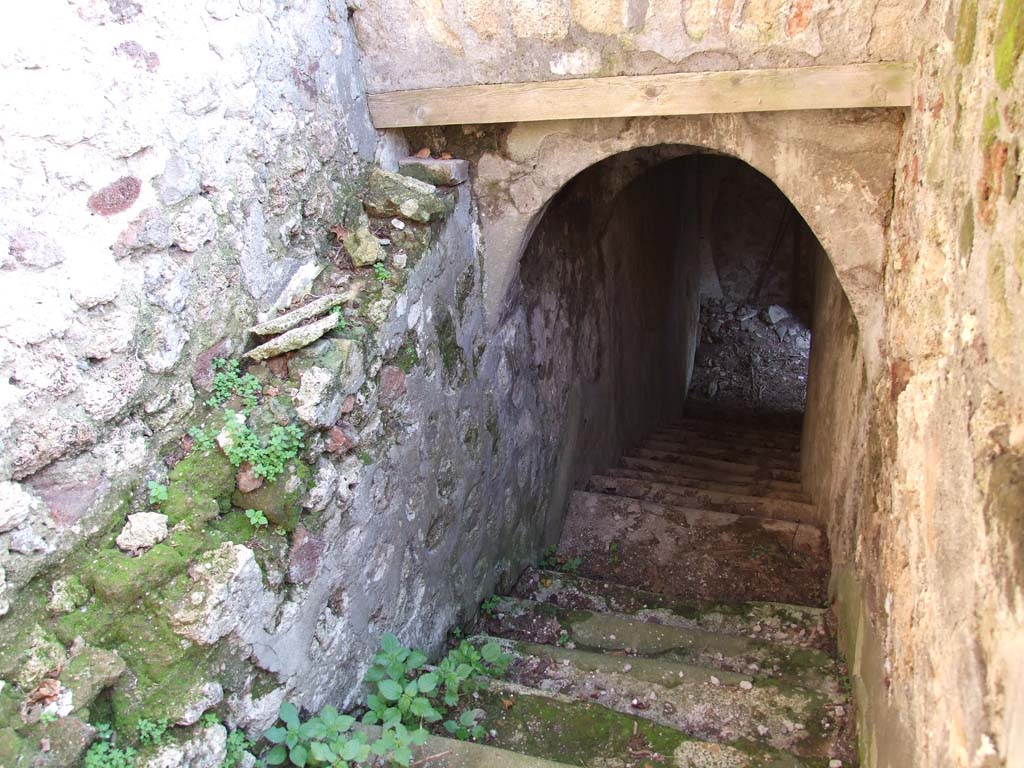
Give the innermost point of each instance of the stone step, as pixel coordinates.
(695, 553)
(777, 622)
(441, 752)
(720, 468)
(715, 481)
(716, 449)
(647, 486)
(739, 433)
(571, 732)
(709, 704)
(546, 624)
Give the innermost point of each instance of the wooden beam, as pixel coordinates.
(685, 93)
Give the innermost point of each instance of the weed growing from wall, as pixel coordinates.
(408, 697)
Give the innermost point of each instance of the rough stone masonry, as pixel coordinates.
(182, 183)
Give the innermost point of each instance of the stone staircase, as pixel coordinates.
(682, 621)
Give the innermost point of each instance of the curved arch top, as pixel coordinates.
(835, 167)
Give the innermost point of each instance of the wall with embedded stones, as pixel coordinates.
(166, 174)
(488, 41)
(932, 587)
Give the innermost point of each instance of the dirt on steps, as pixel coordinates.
(798, 625)
(690, 553)
(690, 628)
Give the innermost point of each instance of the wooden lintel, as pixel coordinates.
(846, 86)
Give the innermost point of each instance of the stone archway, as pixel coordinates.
(834, 166)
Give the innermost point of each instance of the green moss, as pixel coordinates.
(447, 342)
(407, 357)
(966, 31)
(200, 485)
(990, 124)
(10, 746)
(281, 500)
(1009, 41)
(965, 241)
(464, 288)
(116, 577)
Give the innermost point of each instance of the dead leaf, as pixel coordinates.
(507, 704)
(339, 232)
(423, 153)
(48, 690)
(446, 155)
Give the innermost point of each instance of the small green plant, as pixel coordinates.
(47, 717)
(365, 457)
(465, 727)
(152, 731)
(407, 695)
(327, 739)
(229, 382)
(490, 605)
(402, 696)
(236, 746)
(256, 518)
(382, 273)
(563, 638)
(157, 492)
(201, 440)
(103, 753)
(268, 459)
(457, 633)
(342, 322)
(209, 720)
(552, 560)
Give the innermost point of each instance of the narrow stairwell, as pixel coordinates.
(682, 621)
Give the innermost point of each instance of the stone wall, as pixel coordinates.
(607, 289)
(935, 592)
(166, 175)
(760, 251)
(494, 41)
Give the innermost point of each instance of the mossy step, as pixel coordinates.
(441, 752)
(716, 467)
(676, 473)
(799, 625)
(710, 704)
(649, 486)
(547, 624)
(572, 732)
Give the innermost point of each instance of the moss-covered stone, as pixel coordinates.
(281, 500)
(197, 480)
(578, 733)
(88, 673)
(448, 343)
(1009, 41)
(390, 194)
(116, 577)
(11, 745)
(407, 357)
(966, 31)
(66, 595)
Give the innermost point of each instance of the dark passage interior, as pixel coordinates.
(670, 298)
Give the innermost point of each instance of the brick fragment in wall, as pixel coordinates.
(116, 197)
